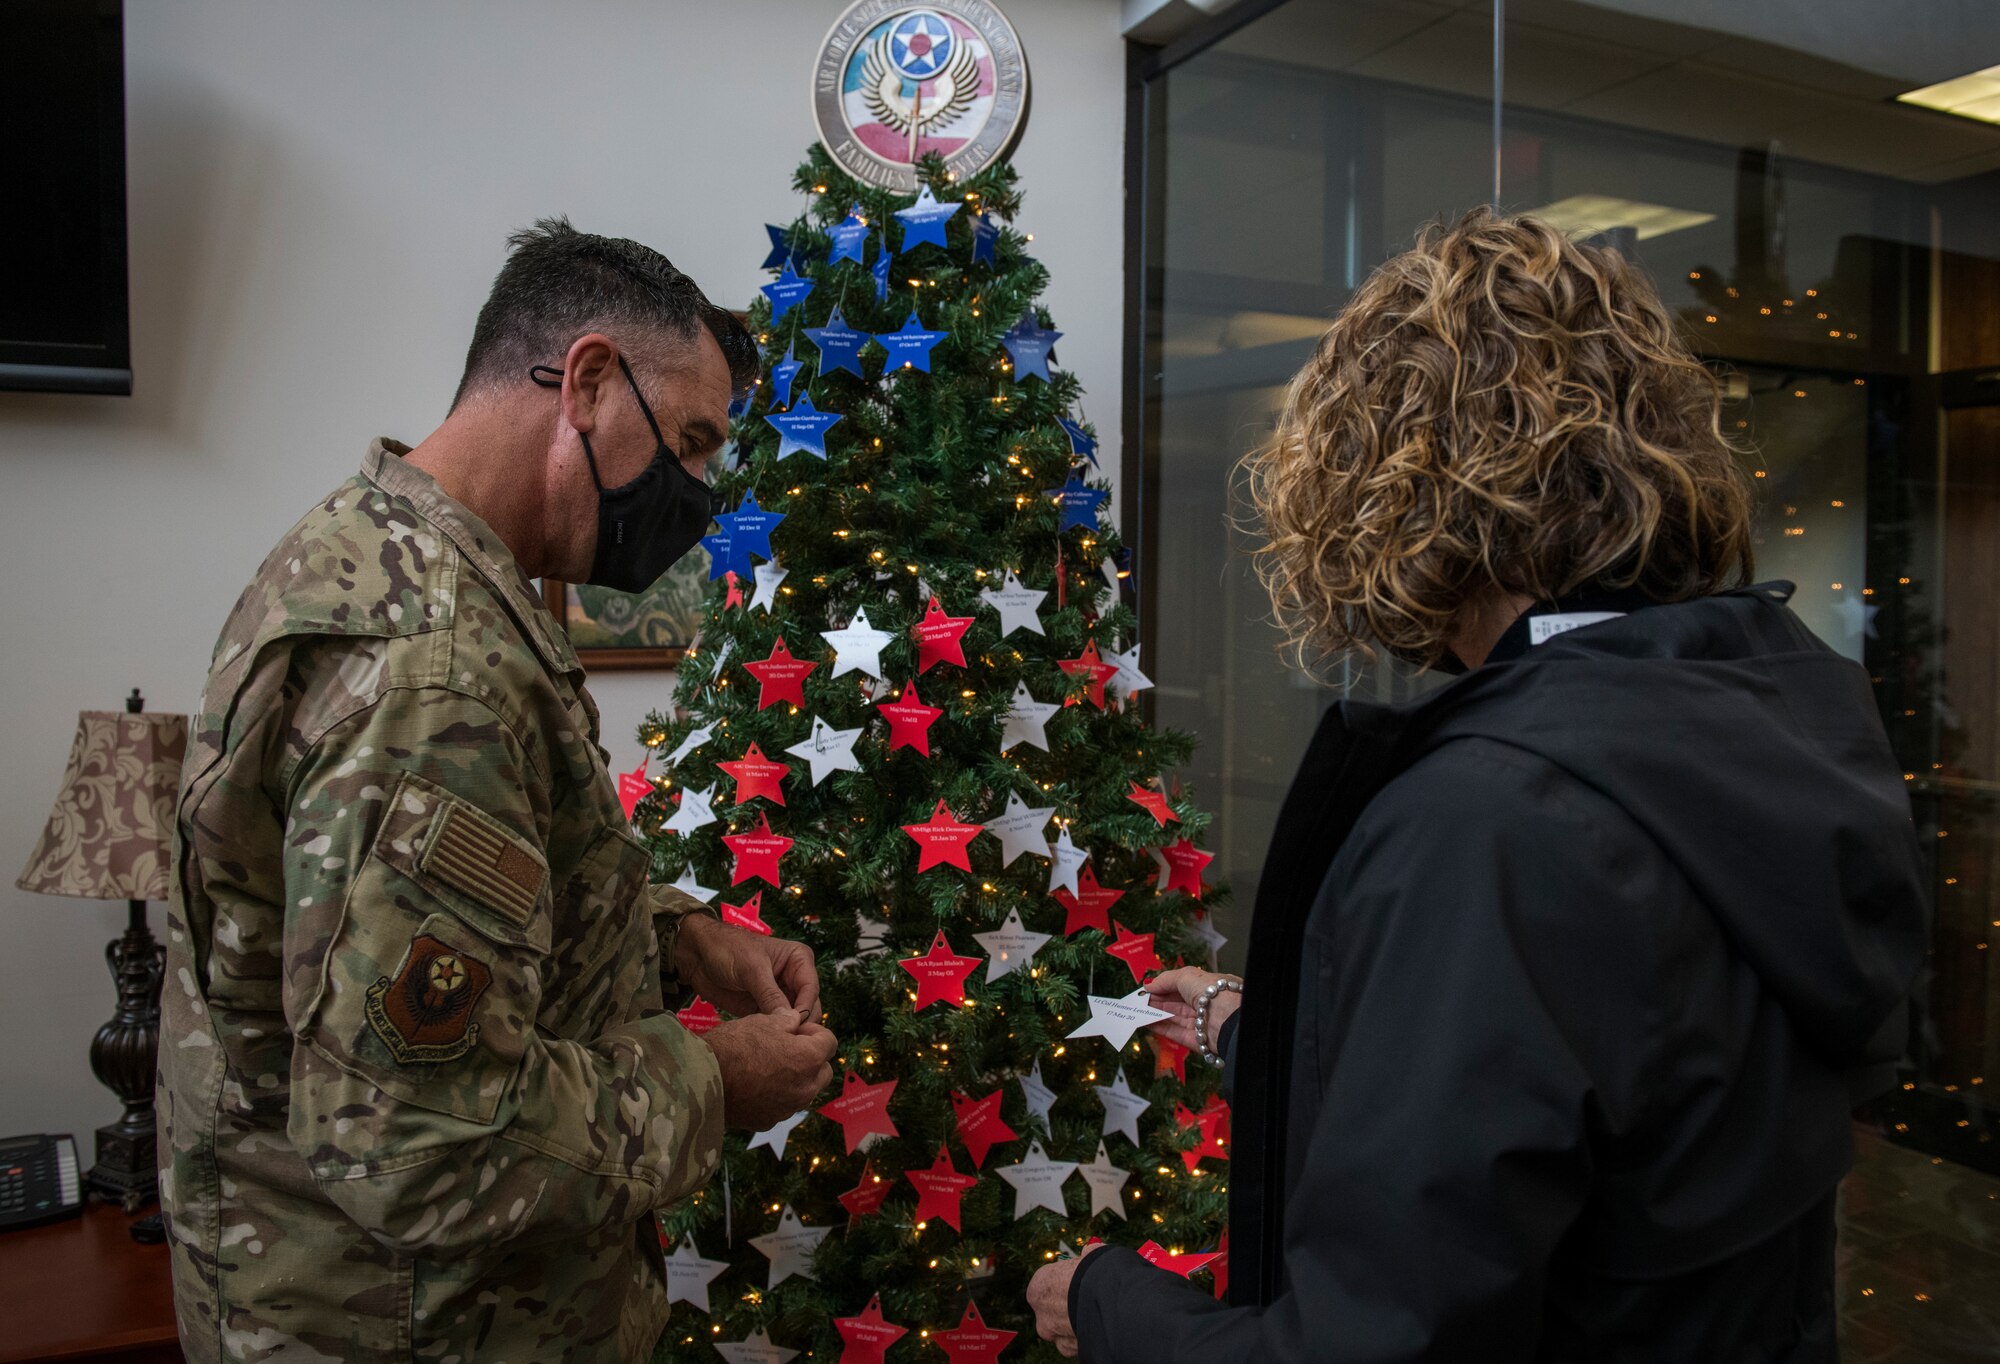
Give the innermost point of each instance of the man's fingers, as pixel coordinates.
(800, 978)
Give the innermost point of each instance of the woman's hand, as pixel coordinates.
(1048, 1295)
(1176, 991)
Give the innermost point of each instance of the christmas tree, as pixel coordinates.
(906, 738)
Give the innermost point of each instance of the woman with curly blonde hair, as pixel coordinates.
(1563, 980)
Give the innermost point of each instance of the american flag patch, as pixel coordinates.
(469, 855)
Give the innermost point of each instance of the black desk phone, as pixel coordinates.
(39, 1180)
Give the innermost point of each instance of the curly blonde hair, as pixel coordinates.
(1499, 410)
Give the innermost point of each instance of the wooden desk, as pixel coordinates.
(83, 1289)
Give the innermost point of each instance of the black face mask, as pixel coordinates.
(643, 526)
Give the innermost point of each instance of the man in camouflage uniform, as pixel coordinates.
(420, 1095)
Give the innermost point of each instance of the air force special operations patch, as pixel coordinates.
(895, 82)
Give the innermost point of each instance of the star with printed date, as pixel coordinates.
(940, 974)
(862, 1110)
(910, 720)
(1153, 802)
(972, 1341)
(1136, 951)
(1089, 665)
(758, 853)
(1184, 867)
(749, 914)
(942, 840)
(938, 638)
(980, 1125)
(1090, 906)
(938, 1190)
(781, 677)
(866, 1335)
(756, 775)
(866, 1197)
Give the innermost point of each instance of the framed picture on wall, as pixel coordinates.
(650, 629)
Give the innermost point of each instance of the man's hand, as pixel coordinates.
(772, 1066)
(1176, 992)
(1048, 1295)
(746, 973)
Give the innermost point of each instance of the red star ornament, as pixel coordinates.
(1219, 1268)
(1153, 803)
(781, 677)
(1090, 664)
(749, 914)
(756, 775)
(1184, 866)
(1136, 951)
(1168, 1055)
(1184, 1119)
(910, 720)
(980, 1126)
(972, 1341)
(1214, 1121)
(866, 1336)
(735, 597)
(939, 1189)
(861, 1110)
(1090, 907)
(940, 974)
(633, 788)
(1153, 1253)
(699, 1016)
(758, 853)
(938, 638)
(865, 1198)
(942, 840)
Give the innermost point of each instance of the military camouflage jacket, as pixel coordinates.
(419, 1096)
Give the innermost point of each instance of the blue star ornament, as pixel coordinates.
(1028, 346)
(839, 345)
(782, 375)
(848, 238)
(1081, 443)
(749, 530)
(787, 291)
(911, 346)
(1078, 503)
(880, 270)
(802, 428)
(985, 238)
(721, 555)
(781, 250)
(924, 220)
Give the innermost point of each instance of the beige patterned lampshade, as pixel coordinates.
(110, 834)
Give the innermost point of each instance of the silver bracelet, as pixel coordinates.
(1222, 983)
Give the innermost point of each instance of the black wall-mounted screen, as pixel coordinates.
(63, 311)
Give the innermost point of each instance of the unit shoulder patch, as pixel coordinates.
(423, 1013)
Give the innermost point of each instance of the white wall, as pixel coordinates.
(319, 196)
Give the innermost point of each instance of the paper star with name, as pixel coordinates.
(749, 915)
(924, 220)
(938, 638)
(1065, 861)
(786, 292)
(776, 1135)
(749, 528)
(1116, 1019)
(769, 576)
(633, 787)
(1019, 607)
(756, 775)
(758, 853)
(865, 1199)
(1078, 503)
(972, 1341)
(688, 885)
(839, 345)
(857, 647)
(828, 750)
(1153, 1253)
(1184, 867)
(880, 269)
(1107, 1183)
(980, 1126)
(938, 1190)
(802, 427)
(985, 237)
(862, 1110)
(1037, 1181)
(1026, 720)
(940, 974)
(695, 811)
(942, 840)
(1081, 443)
(781, 249)
(1136, 951)
(688, 1275)
(1040, 1098)
(1028, 346)
(1154, 802)
(910, 346)
(1122, 1106)
(696, 737)
(1091, 666)
(781, 677)
(1020, 828)
(790, 1248)
(848, 237)
(1128, 680)
(782, 375)
(1010, 946)
(698, 1017)
(910, 720)
(721, 555)
(1210, 936)
(1089, 905)
(755, 1348)
(866, 1336)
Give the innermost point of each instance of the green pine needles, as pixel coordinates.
(934, 485)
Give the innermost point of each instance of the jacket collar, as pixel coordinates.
(387, 470)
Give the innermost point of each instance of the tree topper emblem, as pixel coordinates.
(895, 82)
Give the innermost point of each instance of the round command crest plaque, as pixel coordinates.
(896, 81)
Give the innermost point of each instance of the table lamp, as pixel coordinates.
(110, 837)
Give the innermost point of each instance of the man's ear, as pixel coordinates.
(590, 369)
